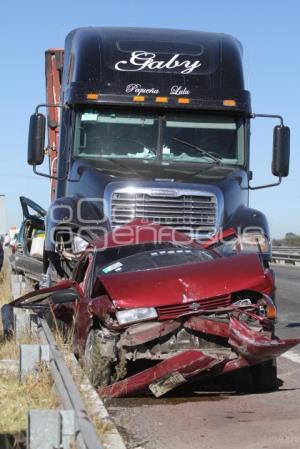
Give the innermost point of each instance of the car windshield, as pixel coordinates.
(148, 256)
(167, 138)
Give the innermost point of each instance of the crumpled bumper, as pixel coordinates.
(249, 347)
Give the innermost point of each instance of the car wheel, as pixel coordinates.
(264, 376)
(99, 367)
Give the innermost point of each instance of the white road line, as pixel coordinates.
(292, 355)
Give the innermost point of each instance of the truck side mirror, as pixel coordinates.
(281, 151)
(36, 139)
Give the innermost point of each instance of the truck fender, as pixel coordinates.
(246, 217)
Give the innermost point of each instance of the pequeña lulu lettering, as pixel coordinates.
(141, 60)
(137, 89)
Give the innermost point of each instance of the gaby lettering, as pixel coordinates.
(141, 60)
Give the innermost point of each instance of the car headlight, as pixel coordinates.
(254, 242)
(134, 315)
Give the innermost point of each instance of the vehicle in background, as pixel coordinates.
(14, 232)
(6, 241)
(29, 245)
(172, 305)
(1, 254)
(148, 124)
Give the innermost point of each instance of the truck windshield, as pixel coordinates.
(110, 134)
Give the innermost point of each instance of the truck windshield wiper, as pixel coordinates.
(212, 156)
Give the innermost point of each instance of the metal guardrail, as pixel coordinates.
(86, 436)
(71, 422)
(287, 249)
(67, 390)
(286, 254)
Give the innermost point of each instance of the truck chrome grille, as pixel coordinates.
(194, 214)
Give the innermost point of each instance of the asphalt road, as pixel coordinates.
(225, 419)
(288, 301)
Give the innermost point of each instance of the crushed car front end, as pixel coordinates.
(185, 321)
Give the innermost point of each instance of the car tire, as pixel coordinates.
(264, 376)
(99, 368)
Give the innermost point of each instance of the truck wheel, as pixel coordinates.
(99, 367)
(264, 376)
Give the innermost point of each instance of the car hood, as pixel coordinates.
(187, 283)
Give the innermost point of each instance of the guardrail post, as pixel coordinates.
(21, 323)
(31, 357)
(43, 429)
(50, 429)
(68, 427)
(17, 285)
(25, 323)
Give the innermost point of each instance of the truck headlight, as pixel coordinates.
(134, 315)
(254, 242)
(79, 244)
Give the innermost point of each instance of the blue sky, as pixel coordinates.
(268, 29)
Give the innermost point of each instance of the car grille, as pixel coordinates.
(174, 311)
(192, 214)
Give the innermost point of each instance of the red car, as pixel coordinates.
(153, 310)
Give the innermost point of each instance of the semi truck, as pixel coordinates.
(150, 124)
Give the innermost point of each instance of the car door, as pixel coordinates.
(83, 276)
(72, 310)
(31, 210)
(59, 303)
(29, 246)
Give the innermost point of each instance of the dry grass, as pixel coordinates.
(63, 334)
(102, 426)
(15, 401)
(16, 398)
(36, 393)
(5, 287)
(8, 349)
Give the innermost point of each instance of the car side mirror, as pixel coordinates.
(281, 151)
(64, 296)
(36, 139)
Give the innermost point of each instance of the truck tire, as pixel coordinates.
(264, 376)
